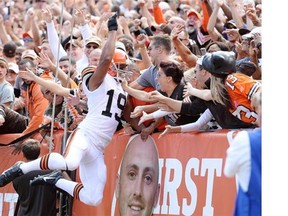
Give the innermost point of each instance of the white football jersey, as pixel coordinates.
(105, 106)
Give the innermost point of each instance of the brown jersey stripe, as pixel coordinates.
(76, 191)
(44, 162)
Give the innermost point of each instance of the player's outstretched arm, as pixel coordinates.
(106, 55)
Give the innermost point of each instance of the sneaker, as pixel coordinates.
(50, 178)
(10, 174)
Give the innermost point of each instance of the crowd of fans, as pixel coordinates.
(184, 64)
(58, 41)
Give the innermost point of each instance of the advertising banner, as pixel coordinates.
(191, 176)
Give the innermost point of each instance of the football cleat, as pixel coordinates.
(50, 178)
(10, 174)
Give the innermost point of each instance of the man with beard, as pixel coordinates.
(197, 28)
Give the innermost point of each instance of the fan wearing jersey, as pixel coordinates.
(85, 146)
(229, 87)
(233, 90)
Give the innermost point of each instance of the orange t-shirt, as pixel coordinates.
(241, 88)
(36, 106)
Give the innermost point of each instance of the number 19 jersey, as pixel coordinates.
(105, 106)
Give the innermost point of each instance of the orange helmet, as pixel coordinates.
(119, 61)
(120, 57)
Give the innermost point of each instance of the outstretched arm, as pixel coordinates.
(80, 17)
(154, 115)
(52, 35)
(48, 84)
(10, 31)
(106, 55)
(213, 32)
(139, 94)
(188, 57)
(235, 13)
(141, 42)
(3, 33)
(202, 121)
(174, 105)
(46, 62)
(138, 110)
(204, 94)
(35, 28)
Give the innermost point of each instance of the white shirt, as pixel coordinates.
(238, 159)
(53, 42)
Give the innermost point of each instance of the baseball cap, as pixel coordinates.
(230, 24)
(164, 6)
(14, 67)
(219, 63)
(247, 68)
(93, 39)
(120, 45)
(26, 35)
(9, 49)
(243, 31)
(248, 33)
(193, 12)
(74, 42)
(69, 38)
(29, 53)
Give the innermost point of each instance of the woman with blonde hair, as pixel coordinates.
(232, 89)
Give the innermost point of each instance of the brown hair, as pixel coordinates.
(173, 70)
(31, 149)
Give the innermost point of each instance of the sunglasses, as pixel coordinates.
(27, 40)
(91, 46)
(231, 27)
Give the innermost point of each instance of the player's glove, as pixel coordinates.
(112, 23)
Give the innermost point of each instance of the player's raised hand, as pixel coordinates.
(112, 23)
